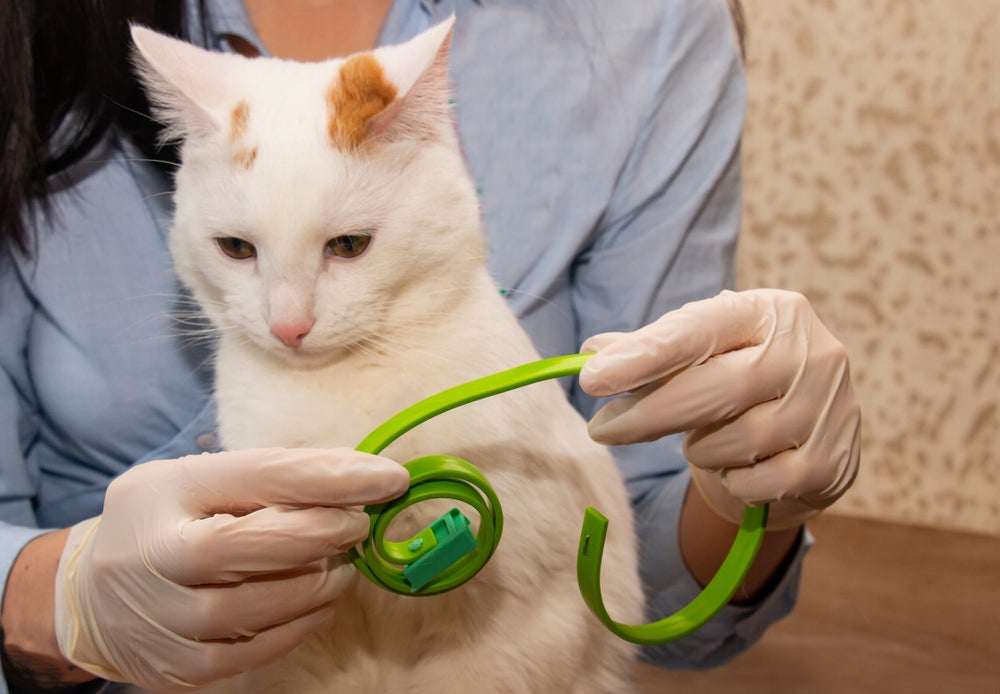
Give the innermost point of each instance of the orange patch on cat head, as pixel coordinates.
(238, 121)
(359, 94)
(245, 156)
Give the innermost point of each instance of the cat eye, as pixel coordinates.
(348, 246)
(236, 248)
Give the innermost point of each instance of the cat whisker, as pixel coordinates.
(132, 110)
(154, 161)
(366, 348)
(157, 195)
(194, 337)
(538, 297)
(137, 160)
(399, 347)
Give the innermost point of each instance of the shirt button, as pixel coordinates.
(206, 441)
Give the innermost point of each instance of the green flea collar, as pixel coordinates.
(445, 555)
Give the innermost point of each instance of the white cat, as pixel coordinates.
(327, 225)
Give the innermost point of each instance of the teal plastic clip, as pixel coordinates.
(458, 556)
(436, 548)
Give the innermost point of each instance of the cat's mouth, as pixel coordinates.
(297, 353)
(307, 355)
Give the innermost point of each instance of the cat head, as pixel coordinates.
(317, 204)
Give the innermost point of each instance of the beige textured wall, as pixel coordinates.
(872, 163)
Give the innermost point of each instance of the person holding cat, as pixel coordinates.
(96, 386)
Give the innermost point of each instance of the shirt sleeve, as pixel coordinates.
(669, 237)
(18, 425)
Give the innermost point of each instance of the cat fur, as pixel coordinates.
(287, 155)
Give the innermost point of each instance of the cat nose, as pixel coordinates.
(292, 332)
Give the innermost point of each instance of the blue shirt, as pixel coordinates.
(605, 144)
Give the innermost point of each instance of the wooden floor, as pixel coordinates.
(883, 608)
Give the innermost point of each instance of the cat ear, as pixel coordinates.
(422, 74)
(396, 92)
(189, 87)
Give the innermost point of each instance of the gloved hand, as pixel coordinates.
(207, 566)
(760, 385)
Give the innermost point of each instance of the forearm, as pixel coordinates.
(705, 539)
(32, 660)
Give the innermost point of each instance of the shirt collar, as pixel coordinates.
(210, 22)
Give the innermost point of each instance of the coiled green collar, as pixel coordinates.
(445, 555)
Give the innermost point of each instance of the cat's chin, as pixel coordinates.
(303, 357)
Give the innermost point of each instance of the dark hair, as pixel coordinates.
(60, 58)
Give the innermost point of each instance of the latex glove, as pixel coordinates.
(760, 385)
(207, 566)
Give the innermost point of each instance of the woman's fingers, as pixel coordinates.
(690, 335)
(239, 610)
(208, 661)
(760, 385)
(720, 389)
(225, 548)
(759, 433)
